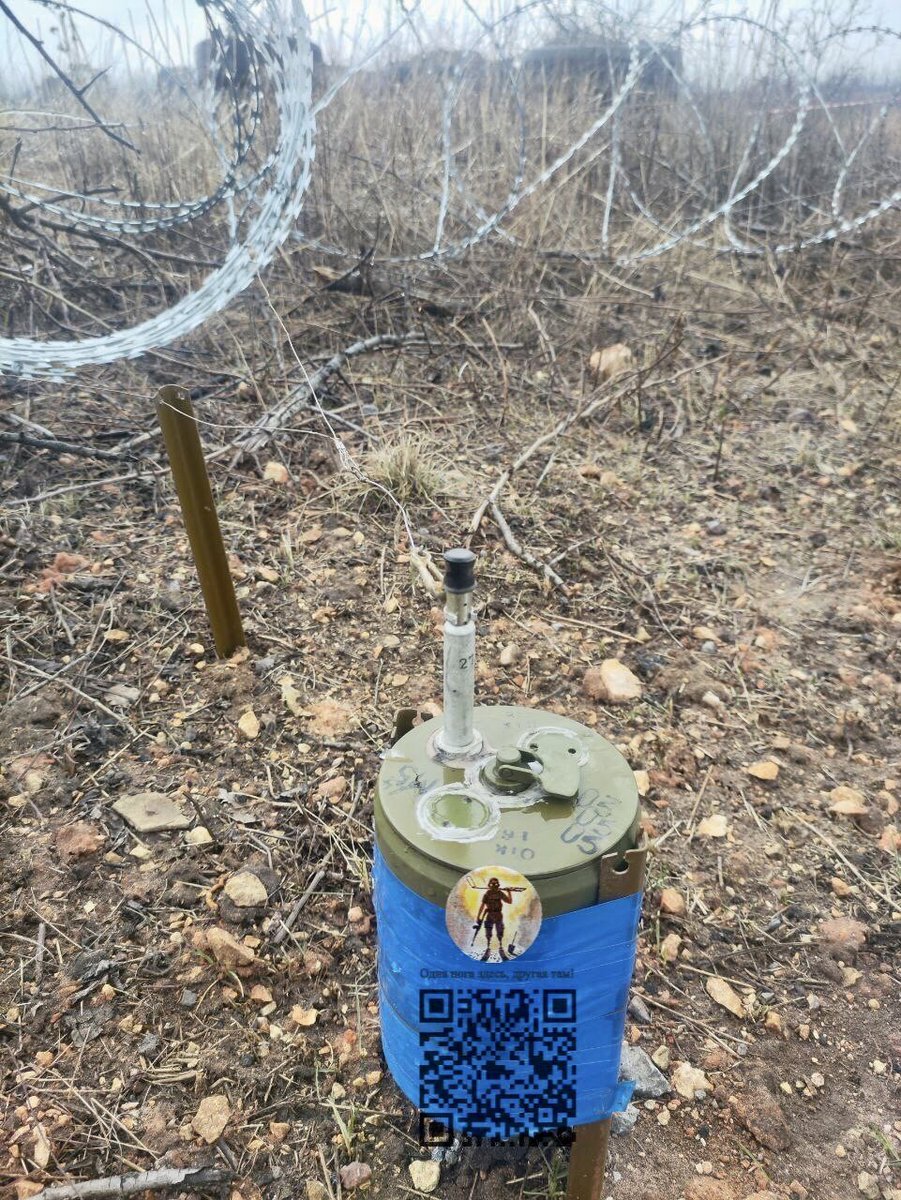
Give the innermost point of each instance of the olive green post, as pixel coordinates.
(192, 483)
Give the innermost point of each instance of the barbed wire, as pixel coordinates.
(271, 184)
(806, 86)
(281, 42)
(176, 212)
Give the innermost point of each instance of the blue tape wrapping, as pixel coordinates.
(505, 1050)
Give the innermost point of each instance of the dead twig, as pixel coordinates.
(580, 413)
(40, 948)
(670, 345)
(76, 691)
(16, 419)
(77, 92)
(551, 435)
(93, 485)
(520, 551)
(697, 805)
(44, 443)
(299, 905)
(884, 897)
(273, 422)
(430, 577)
(708, 1029)
(140, 1181)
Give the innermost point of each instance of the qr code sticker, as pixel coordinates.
(496, 1063)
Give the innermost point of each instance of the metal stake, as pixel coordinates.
(192, 483)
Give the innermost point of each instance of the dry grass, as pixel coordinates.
(384, 185)
(407, 466)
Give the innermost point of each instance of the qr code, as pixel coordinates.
(496, 1064)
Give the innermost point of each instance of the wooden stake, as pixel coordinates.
(588, 1161)
(196, 498)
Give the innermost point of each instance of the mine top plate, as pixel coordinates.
(494, 809)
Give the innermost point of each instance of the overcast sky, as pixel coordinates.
(172, 27)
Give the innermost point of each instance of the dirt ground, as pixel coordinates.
(726, 524)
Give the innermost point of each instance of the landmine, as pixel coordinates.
(520, 827)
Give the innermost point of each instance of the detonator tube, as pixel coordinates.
(457, 734)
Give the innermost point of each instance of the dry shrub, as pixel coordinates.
(407, 465)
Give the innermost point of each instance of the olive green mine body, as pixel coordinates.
(572, 800)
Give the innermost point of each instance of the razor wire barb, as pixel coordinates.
(261, 186)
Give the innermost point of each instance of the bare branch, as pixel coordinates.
(140, 1181)
(70, 86)
(277, 418)
(51, 443)
(520, 551)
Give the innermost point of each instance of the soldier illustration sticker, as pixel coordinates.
(493, 914)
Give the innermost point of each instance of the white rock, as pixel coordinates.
(249, 724)
(688, 1079)
(211, 1118)
(766, 769)
(669, 947)
(508, 655)
(610, 361)
(649, 1083)
(623, 1123)
(725, 995)
(672, 902)
(228, 951)
(246, 890)
(354, 1175)
(276, 472)
(715, 827)
(151, 812)
(618, 684)
(425, 1174)
(847, 802)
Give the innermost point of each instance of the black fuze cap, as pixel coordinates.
(459, 575)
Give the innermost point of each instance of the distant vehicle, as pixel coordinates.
(604, 65)
(437, 64)
(227, 62)
(172, 79)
